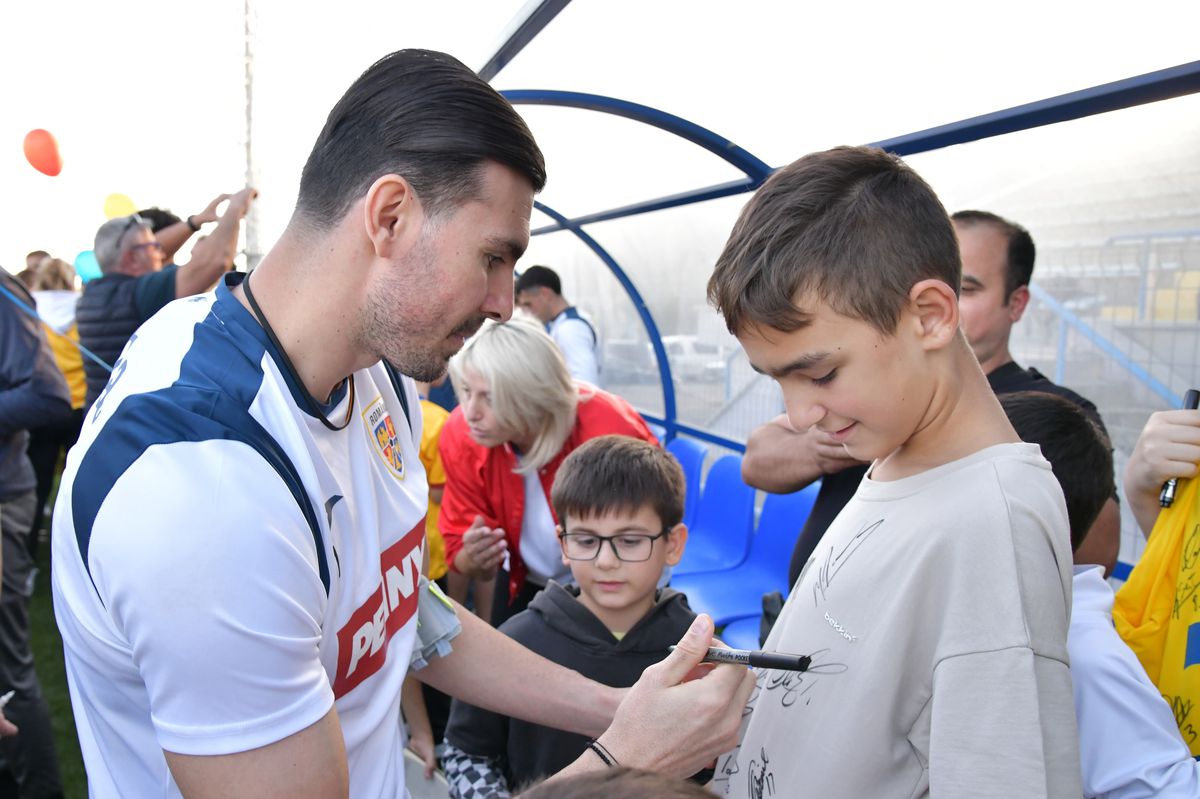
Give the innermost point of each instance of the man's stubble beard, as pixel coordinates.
(387, 331)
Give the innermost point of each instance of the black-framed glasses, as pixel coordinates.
(628, 547)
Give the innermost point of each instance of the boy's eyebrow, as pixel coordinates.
(632, 528)
(806, 361)
(971, 280)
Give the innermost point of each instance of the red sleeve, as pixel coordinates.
(465, 495)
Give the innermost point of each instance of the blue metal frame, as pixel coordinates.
(754, 168)
(525, 31)
(1139, 90)
(1147, 88)
(639, 304)
(1068, 319)
(1151, 87)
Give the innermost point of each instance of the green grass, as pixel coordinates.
(48, 657)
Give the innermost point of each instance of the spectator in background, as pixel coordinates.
(997, 265)
(135, 284)
(1129, 743)
(520, 415)
(539, 291)
(1169, 446)
(621, 505)
(32, 393)
(56, 297)
(173, 232)
(434, 418)
(34, 259)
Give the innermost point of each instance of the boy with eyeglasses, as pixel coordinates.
(620, 502)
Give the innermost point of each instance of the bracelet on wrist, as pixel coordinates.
(190, 223)
(603, 754)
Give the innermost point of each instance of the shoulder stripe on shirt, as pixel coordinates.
(194, 409)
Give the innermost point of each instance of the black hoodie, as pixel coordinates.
(557, 626)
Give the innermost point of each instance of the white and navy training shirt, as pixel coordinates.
(225, 567)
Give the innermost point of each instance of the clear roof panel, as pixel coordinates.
(782, 79)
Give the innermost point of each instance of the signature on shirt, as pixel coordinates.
(834, 563)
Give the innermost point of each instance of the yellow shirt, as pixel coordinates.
(70, 361)
(434, 418)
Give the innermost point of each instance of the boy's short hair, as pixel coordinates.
(1018, 267)
(1078, 451)
(536, 276)
(854, 227)
(619, 473)
(620, 781)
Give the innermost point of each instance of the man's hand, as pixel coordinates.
(779, 459)
(483, 550)
(831, 458)
(240, 203)
(421, 743)
(209, 214)
(7, 728)
(677, 727)
(1169, 446)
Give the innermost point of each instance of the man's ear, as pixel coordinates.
(934, 309)
(1018, 301)
(391, 215)
(676, 541)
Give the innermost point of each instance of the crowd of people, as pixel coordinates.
(276, 563)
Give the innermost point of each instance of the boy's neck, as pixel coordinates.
(963, 418)
(619, 620)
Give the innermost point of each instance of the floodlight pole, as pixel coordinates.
(252, 251)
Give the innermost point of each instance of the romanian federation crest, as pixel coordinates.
(382, 432)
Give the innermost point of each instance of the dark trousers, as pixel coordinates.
(29, 755)
(45, 445)
(502, 608)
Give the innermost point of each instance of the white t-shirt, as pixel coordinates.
(576, 337)
(225, 568)
(540, 549)
(1129, 743)
(935, 610)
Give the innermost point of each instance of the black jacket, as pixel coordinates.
(33, 391)
(558, 627)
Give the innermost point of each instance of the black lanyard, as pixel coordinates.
(313, 407)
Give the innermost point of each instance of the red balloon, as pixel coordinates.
(41, 150)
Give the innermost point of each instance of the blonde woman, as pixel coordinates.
(519, 415)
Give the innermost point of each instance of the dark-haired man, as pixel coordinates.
(539, 291)
(240, 530)
(997, 265)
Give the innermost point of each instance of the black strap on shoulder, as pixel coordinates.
(398, 385)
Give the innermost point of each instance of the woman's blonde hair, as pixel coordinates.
(532, 393)
(55, 274)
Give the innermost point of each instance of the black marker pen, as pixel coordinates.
(1166, 497)
(758, 659)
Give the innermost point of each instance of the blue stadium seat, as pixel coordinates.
(720, 536)
(737, 593)
(690, 454)
(657, 429)
(742, 633)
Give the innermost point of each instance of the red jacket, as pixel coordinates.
(482, 482)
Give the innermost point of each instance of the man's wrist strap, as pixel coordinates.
(603, 754)
(195, 228)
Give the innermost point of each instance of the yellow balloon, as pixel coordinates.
(118, 205)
